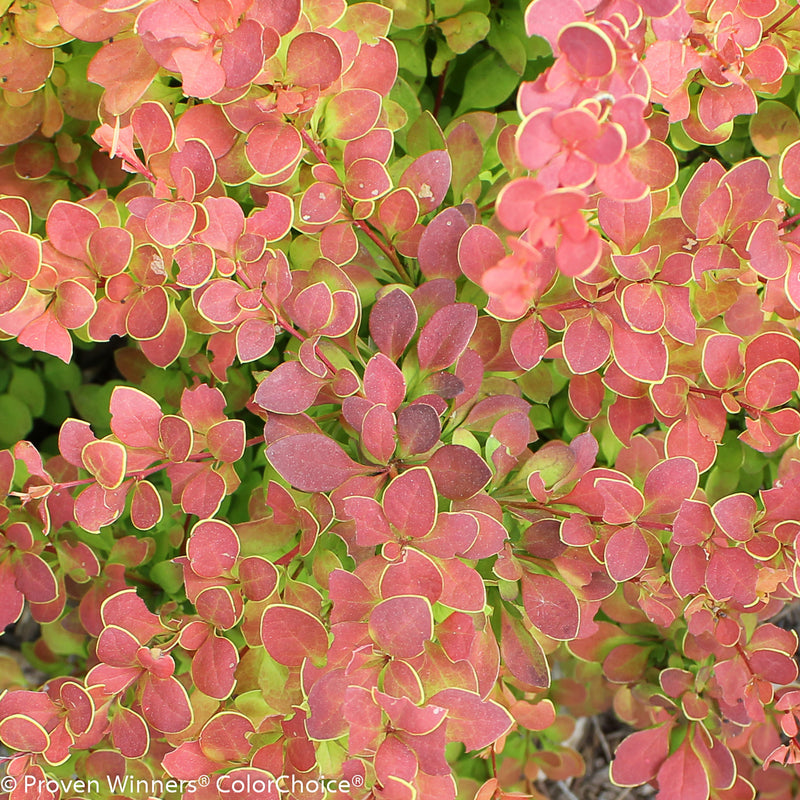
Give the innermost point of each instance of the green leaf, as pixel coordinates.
(465, 30)
(509, 46)
(488, 83)
(27, 386)
(17, 420)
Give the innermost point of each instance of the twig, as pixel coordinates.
(780, 22)
(387, 250)
(602, 737)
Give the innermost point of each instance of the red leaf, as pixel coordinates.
(410, 503)
(522, 654)
(170, 223)
(34, 578)
(135, 417)
(352, 113)
(213, 548)
(165, 704)
(400, 626)
(313, 59)
(551, 606)
(289, 389)
(146, 506)
(587, 345)
(640, 756)
(214, 665)
(475, 722)
(429, 178)
(106, 461)
(292, 634)
(393, 323)
(69, 227)
(626, 553)
(446, 335)
(312, 462)
(669, 483)
(459, 472)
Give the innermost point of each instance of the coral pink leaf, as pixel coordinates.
(439, 245)
(682, 776)
(20, 732)
(522, 654)
(409, 503)
(393, 323)
(529, 342)
(165, 704)
(135, 417)
(213, 667)
(587, 345)
(74, 305)
(312, 462)
(153, 127)
(459, 472)
(735, 515)
(352, 113)
(203, 493)
(106, 461)
(149, 314)
(69, 227)
(367, 179)
(170, 223)
(623, 502)
(313, 59)
(771, 384)
(669, 483)
(292, 634)
(243, 53)
(732, 573)
(176, 437)
(639, 757)
(289, 389)
(626, 553)
(384, 382)
(273, 147)
(446, 335)
(475, 722)
(429, 178)
(550, 605)
(254, 339)
(146, 506)
(46, 335)
(588, 49)
(226, 736)
(226, 440)
(479, 249)
(401, 625)
(258, 577)
(212, 548)
(20, 254)
(129, 733)
(35, 578)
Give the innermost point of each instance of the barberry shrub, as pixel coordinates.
(432, 423)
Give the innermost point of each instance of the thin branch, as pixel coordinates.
(385, 248)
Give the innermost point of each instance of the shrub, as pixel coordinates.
(431, 425)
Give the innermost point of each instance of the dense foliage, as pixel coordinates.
(449, 395)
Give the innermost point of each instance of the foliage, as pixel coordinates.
(434, 424)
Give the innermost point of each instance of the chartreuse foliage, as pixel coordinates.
(438, 424)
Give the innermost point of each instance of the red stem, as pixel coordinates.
(787, 222)
(140, 475)
(387, 250)
(780, 22)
